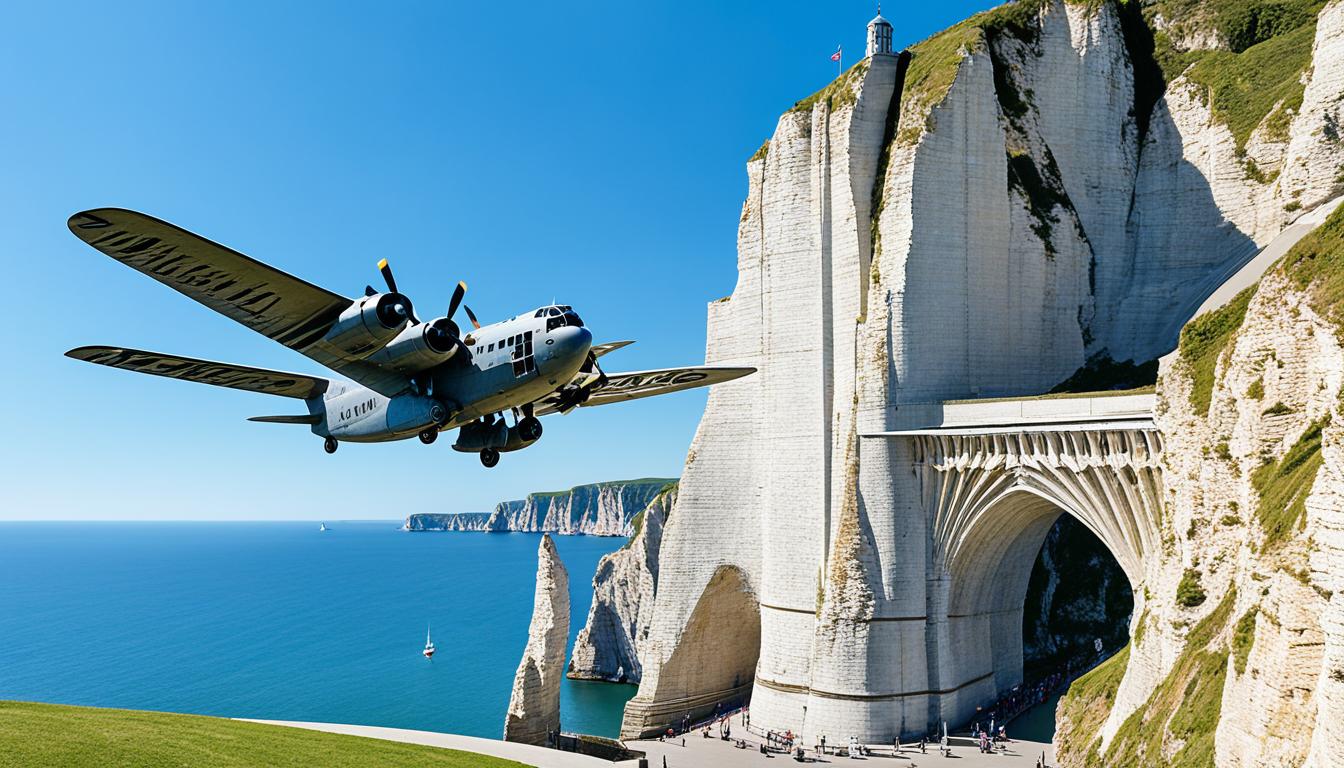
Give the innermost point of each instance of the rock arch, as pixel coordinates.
(713, 662)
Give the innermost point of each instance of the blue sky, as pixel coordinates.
(590, 152)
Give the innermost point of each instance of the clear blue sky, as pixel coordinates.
(590, 152)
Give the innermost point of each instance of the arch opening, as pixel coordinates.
(712, 665)
(1032, 587)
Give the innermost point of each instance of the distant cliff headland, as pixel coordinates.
(597, 509)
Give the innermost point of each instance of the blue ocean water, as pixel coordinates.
(279, 621)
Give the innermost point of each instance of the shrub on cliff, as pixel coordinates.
(1189, 592)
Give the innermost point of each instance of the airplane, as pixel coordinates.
(407, 378)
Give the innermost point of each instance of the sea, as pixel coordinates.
(280, 621)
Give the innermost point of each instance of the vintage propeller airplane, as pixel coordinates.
(408, 378)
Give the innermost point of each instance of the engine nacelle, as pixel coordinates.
(367, 325)
(419, 347)
(477, 436)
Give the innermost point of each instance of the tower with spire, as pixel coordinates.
(879, 35)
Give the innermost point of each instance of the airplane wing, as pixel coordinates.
(620, 387)
(277, 305)
(204, 371)
(599, 350)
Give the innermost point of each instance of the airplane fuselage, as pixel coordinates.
(512, 363)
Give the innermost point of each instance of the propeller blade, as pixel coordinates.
(386, 269)
(458, 293)
(369, 291)
(471, 316)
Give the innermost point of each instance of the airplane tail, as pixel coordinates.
(206, 372)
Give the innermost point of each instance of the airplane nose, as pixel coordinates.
(571, 341)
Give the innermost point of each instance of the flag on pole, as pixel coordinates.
(836, 56)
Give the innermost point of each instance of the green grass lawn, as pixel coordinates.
(53, 735)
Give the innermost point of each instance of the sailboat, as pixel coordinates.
(321, 527)
(429, 645)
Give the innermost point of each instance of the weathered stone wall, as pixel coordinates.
(534, 705)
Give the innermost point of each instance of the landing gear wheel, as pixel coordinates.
(429, 436)
(529, 428)
(489, 457)
(329, 445)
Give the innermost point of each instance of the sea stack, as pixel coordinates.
(534, 707)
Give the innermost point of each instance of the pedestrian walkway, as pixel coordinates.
(699, 751)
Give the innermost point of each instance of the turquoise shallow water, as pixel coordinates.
(278, 621)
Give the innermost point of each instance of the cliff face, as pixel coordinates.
(1237, 658)
(1046, 185)
(600, 509)
(534, 705)
(460, 521)
(624, 587)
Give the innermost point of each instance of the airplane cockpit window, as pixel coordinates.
(560, 316)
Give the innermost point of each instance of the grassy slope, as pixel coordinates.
(1260, 76)
(1316, 265)
(35, 735)
(1087, 704)
(1175, 726)
(1203, 340)
(1284, 485)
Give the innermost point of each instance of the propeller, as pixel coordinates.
(386, 269)
(444, 333)
(458, 293)
(472, 317)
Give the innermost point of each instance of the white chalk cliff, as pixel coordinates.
(597, 509)
(534, 705)
(1024, 194)
(624, 587)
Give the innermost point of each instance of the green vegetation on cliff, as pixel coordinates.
(1202, 342)
(1190, 593)
(662, 482)
(1175, 726)
(840, 92)
(1257, 76)
(1087, 703)
(1315, 265)
(935, 61)
(1284, 485)
(1264, 81)
(1243, 637)
(37, 735)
